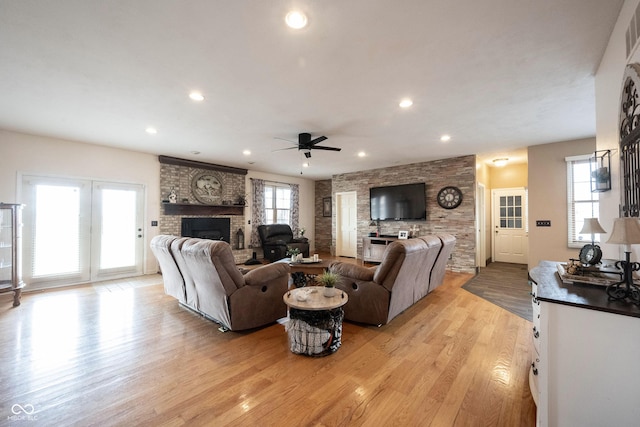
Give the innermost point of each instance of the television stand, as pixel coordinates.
(373, 247)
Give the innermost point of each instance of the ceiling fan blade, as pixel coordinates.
(317, 140)
(288, 148)
(320, 147)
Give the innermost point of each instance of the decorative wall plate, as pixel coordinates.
(449, 197)
(207, 188)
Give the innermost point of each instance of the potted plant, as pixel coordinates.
(328, 280)
(293, 253)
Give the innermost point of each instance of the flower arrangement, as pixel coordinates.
(301, 230)
(294, 254)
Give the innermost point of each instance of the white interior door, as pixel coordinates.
(481, 227)
(346, 223)
(509, 221)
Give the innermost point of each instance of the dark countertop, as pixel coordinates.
(592, 297)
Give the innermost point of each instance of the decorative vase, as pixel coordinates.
(329, 291)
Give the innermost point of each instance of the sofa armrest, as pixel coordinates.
(353, 271)
(266, 273)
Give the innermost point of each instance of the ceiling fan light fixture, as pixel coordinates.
(500, 162)
(296, 19)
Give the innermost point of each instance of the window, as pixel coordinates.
(277, 204)
(581, 202)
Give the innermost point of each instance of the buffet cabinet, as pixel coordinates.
(584, 369)
(11, 250)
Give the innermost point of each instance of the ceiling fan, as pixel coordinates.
(307, 144)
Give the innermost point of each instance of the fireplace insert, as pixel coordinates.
(207, 228)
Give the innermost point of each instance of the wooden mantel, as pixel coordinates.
(193, 209)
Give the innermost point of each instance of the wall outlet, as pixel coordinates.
(543, 223)
(154, 223)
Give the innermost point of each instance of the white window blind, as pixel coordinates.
(277, 202)
(581, 202)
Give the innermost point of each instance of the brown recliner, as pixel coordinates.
(440, 267)
(214, 286)
(378, 294)
(171, 275)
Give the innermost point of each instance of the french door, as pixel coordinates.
(80, 230)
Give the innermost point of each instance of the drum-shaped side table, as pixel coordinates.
(315, 321)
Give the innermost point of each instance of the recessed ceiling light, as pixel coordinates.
(445, 138)
(362, 154)
(406, 103)
(196, 96)
(151, 130)
(246, 152)
(500, 162)
(296, 19)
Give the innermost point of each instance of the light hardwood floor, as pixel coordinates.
(123, 353)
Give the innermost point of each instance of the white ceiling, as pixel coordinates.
(496, 75)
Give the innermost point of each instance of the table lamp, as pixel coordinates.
(626, 231)
(591, 253)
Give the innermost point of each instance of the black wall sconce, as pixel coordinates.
(601, 171)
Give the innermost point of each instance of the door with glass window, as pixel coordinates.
(79, 230)
(510, 237)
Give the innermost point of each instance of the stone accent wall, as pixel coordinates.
(458, 172)
(323, 235)
(179, 178)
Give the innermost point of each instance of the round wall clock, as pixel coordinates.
(450, 197)
(590, 254)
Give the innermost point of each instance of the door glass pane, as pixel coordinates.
(118, 238)
(511, 211)
(56, 230)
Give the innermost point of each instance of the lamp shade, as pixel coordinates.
(591, 226)
(626, 231)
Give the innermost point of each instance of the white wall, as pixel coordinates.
(608, 94)
(29, 154)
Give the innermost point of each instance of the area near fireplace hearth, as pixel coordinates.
(206, 201)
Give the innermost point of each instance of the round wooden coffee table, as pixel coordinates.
(315, 321)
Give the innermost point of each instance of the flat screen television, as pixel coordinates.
(398, 202)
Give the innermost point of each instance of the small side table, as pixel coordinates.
(315, 321)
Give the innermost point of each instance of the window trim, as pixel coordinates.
(275, 186)
(595, 200)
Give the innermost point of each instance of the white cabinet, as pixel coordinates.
(11, 250)
(373, 247)
(587, 369)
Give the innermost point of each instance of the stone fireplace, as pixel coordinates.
(206, 194)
